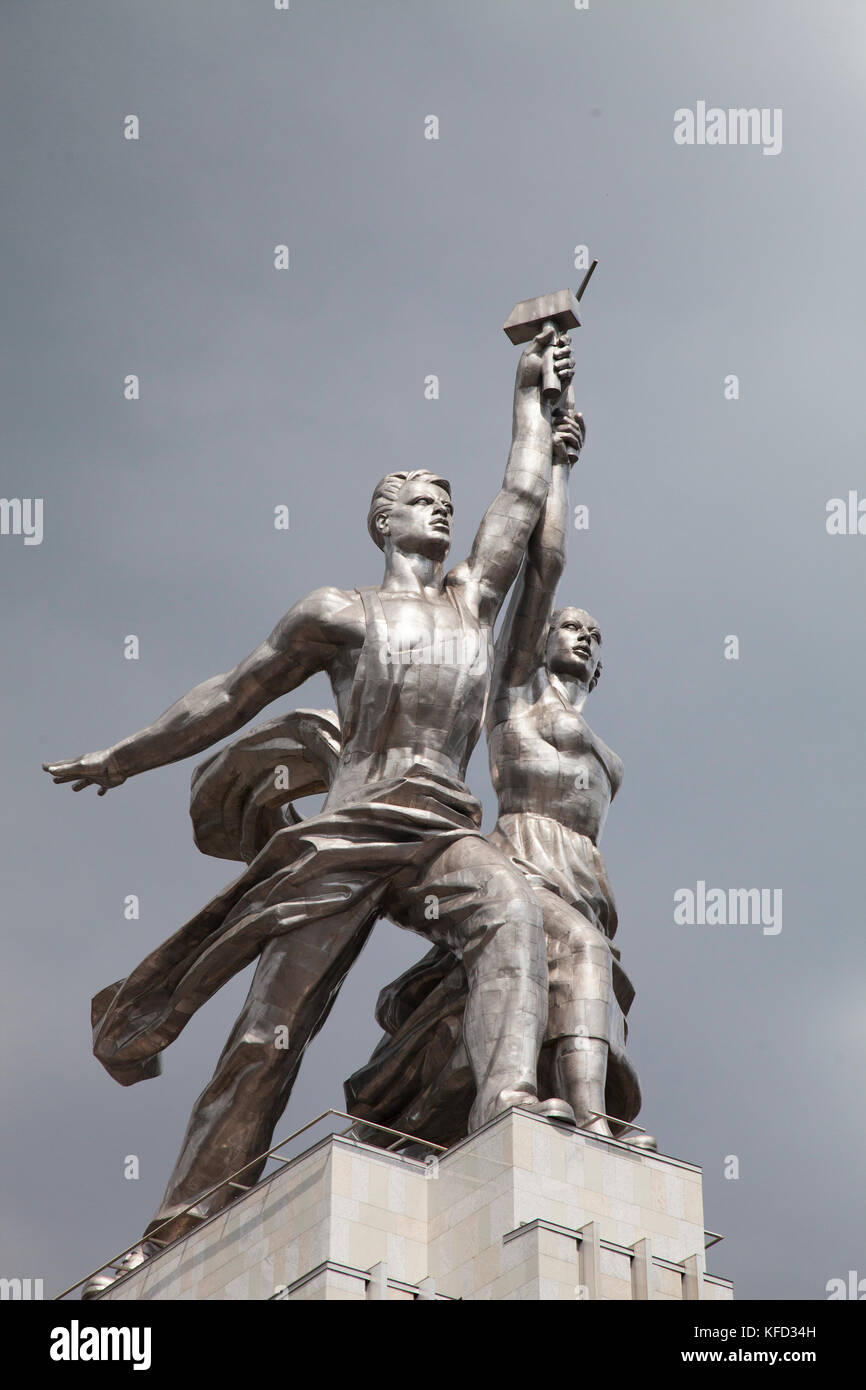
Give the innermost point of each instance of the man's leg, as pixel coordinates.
(294, 987)
(473, 901)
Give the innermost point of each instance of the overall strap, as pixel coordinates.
(350, 723)
(377, 682)
(384, 694)
(469, 624)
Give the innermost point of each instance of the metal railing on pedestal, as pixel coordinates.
(115, 1265)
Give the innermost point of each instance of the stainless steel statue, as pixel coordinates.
(409, 663)
(555, 780)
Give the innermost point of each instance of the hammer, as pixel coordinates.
(532, 316)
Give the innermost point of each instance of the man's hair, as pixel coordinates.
(554, 622)
(385, 495)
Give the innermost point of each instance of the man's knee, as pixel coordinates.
(472, 899)
(507, 922)
(508, 893)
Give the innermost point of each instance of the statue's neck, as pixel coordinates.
(572, 691)
(406, 573)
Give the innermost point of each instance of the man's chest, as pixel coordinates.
(385, 630)
(412, 623)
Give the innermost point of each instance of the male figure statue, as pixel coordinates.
(399, 828)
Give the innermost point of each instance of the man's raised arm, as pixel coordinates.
(521, 641)
(502, 537)
(300, 644)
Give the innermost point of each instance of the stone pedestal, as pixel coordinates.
(523, 1208)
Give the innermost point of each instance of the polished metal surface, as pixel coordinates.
(410, 667)
(555, 780)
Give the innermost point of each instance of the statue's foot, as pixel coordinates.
(138, 1255)
(553, 1109)
(641, 1141)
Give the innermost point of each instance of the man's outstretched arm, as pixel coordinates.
(300, 644)
(521, 641)
(502, 537)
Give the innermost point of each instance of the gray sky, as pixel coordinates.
(707, 518)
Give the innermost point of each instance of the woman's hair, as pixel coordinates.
(385, 495)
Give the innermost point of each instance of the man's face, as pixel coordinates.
(419, 522)
(573, 645)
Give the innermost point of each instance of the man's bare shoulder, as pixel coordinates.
(330, 601)
(327, 613)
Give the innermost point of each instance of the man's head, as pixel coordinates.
(413, 511)
(573, 643)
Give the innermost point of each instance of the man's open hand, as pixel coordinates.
(92, 770)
